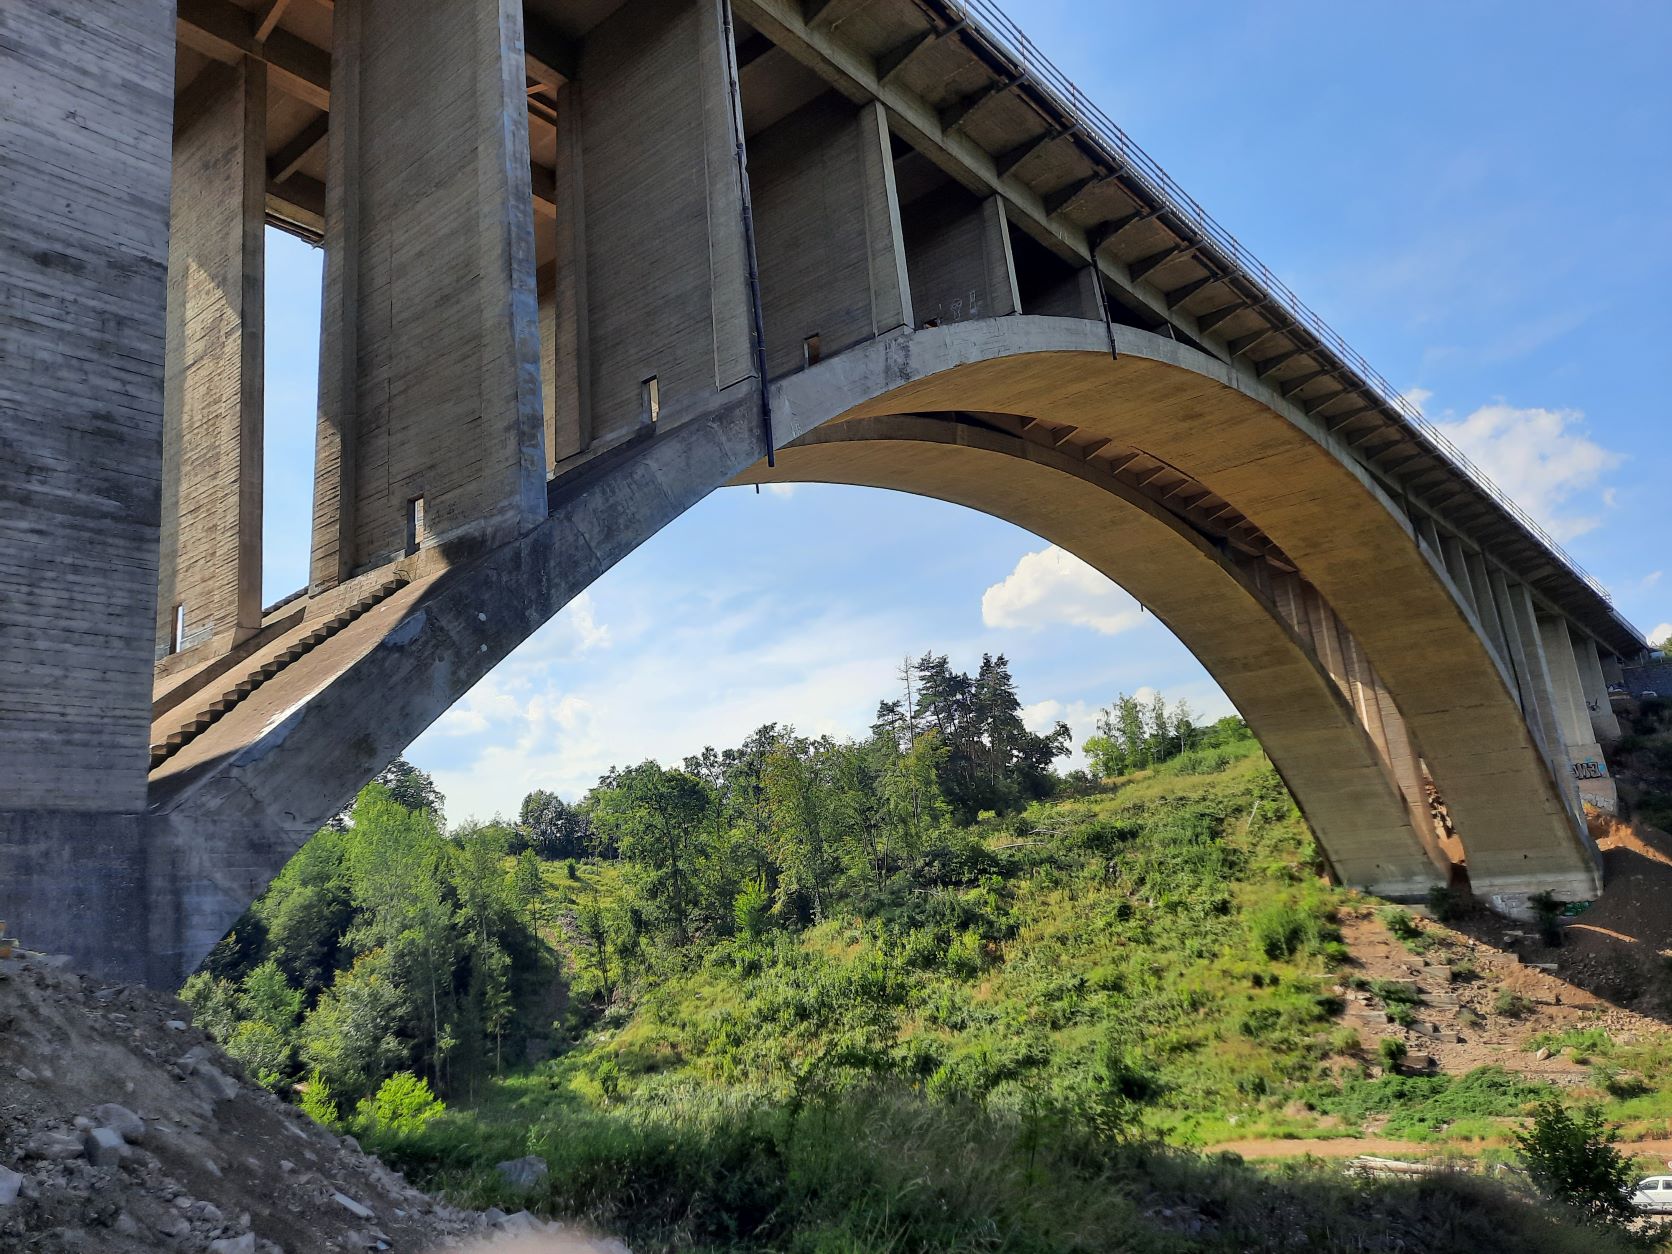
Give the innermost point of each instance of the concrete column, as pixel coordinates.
(1568, 694)
(1605, 726)
(827, 226)
(1583, 755)
(209, 587)
(1526, 655)
(1486, 605)
(563, 318)
(85, 138)
(667, 295)
(1457, 566)
(958, 254)
(430, 357)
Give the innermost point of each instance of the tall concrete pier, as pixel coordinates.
(587, 261)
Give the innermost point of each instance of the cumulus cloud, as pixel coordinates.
(1543, 459)
(1052, 587)
(1661, 633)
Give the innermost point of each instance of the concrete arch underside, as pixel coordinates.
(227, 812)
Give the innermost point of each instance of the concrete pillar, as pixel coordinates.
(84, 149)
(430, 355)
(958, 254)
(827, 225)
(1605, 726)
(1526, 655)
(1457, 566)
(209, 586)
(1583, 754)
(668, 310)
(1074, 297)
(1567, 692)
(563, 318)
(1486, 606)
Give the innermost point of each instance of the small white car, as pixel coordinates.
(1653, 1195)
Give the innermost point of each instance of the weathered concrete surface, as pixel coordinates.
(1304, 721)
(430, 340)
(832, 260)
(666, 276)
(210, 558)
(83, 268)
(958, 255)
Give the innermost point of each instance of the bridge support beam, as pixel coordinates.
(83, 265)
(1583, 753)
(431, 425)
(1604, 722)
(958, 256)
(668, 310)
(832, 259)
(209, 590)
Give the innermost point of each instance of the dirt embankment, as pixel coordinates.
(123, 1128)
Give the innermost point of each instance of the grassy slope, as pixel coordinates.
(989, 1066)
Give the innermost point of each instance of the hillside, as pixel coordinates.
(913, 993)
(122, 1128)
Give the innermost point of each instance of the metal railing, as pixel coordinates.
(991, 23)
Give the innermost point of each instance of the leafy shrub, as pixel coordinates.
(1447, 904)
(1396, 992)
(1281, 928)
(317, 1101)
(1572, 1160)
(261, 1051)
(402, 1106)
(1400, 922)
(1393, 1052)
(1511, 1005)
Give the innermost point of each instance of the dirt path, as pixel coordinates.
(1325, 1147)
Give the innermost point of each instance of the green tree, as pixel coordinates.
(656, 817)
(1572, 1160)
(349, 1038)
(553, 828)
(268, 998)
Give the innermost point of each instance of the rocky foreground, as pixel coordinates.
(124, 1128)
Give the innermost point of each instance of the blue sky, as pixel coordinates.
(1475, 196)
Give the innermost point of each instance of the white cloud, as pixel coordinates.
(1052, 586)
(780, 490)
(1419, 397)
(1543, 459)
(1663, 632)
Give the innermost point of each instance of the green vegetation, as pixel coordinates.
(1572, 1161)
(887, 994)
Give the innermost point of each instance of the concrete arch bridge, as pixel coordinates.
(586, 262)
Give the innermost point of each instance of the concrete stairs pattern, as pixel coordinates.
(207, 716)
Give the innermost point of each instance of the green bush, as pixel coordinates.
(402, 1106)
(1510, 1004)
(1571, 1159)
(317, 1101)
(1393, 1052)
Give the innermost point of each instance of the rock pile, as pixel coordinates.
(123, 1128)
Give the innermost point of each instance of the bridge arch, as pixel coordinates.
(230, 810)
(1368, 831)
